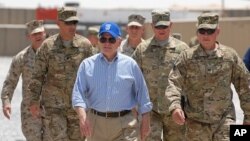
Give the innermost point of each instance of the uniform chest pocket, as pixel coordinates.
(217, 67)
(57, 62)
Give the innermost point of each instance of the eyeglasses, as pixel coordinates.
(204, 31)
(109, 40)
(71, 22)
(161, 27)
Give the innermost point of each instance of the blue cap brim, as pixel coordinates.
(110, 32)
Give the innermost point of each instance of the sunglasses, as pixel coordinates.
(71, 23)
(204, 31)
(161, 27)
(109, 40)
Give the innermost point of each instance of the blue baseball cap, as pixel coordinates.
(111, 28)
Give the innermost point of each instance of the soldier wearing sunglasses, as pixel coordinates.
(156, 57)
(54, 74)
(204, 74)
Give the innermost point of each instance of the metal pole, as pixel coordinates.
(222, 8)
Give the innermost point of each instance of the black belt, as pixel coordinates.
(110, 114)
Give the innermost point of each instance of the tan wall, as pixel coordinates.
(16, 16)
(12, 40)
(235, 32)
(13, 37)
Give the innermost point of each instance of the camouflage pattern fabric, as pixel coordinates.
(160, 17)
(177, 36)
(156, 61)
(208, 20)
(205, 82)
(61, 124)
(67, 14)
(125, 48)
(95, 50)
(208, 132)
(53, 79)
(135, 20)
(193, 41)
(35, 26)
(22, 65)
(171, 130)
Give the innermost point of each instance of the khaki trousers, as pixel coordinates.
(123, 128)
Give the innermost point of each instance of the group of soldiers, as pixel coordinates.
(189, 87)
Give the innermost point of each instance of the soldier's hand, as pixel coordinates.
(145, 126)
(35, 110)
(178, 116)
(246, 123)
(7, 110)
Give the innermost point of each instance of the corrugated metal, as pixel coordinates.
(16, 16)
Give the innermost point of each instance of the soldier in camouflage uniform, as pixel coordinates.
(23, 64)
(135, 30)
(92, 36)
(203, 74)
(177, 36)
(156, 57)
(193, 41)
(54, 75)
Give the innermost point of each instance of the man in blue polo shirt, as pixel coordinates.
(108, 85)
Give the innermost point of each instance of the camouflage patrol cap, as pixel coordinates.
(136, 20)
(93, 30)
(160, 17)
(35, 26)
(208, 20)
(67, 14)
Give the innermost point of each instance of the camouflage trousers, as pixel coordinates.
(163, 123)
(198, 131)
(31, 127)
(125, 128)
(61, 125)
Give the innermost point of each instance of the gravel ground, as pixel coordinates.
(10, 130)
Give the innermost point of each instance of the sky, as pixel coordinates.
(137, 4)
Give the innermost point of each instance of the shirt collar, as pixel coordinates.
(217, 53)
(59, 41)
(102, 57)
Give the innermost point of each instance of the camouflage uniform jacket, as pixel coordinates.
(126, 49)
(55, 70)
(205, 82)
(156, 62)
(22, 64)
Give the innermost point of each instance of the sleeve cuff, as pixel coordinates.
(83, 105)
(5, 102)
(174, 106)
(34, 103)
(145, 108)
